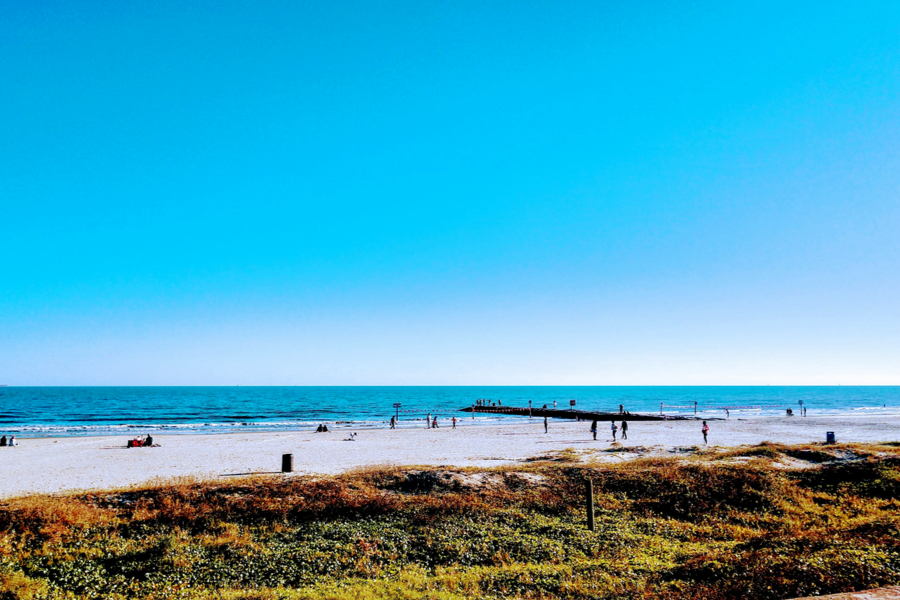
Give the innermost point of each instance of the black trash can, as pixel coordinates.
(829, 437)
(287, 463)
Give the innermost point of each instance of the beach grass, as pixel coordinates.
(768, 521)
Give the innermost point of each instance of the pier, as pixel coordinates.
(574, 414)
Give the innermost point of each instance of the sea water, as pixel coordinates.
(68, 411)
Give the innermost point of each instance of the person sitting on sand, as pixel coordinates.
(3, 441)
(434, 424)
(324, 428)
(319, 428)
(148, 443)
(12, 441)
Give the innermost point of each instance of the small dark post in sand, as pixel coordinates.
(287, 463)
(589, 500)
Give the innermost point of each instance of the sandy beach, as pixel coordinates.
(48, 465)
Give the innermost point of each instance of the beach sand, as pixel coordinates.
(48, 465)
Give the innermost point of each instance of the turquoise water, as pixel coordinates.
(66, 411)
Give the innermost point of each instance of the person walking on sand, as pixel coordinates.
(705, 431)
(594, 428)
(624, 430)
(393, 423)
(545, 424)
(614, 428)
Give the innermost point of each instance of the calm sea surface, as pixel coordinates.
(67, 411)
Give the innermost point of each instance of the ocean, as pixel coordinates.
(73, 411)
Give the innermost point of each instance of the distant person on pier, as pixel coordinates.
(621, 409)
(624, 430)
(594, 428)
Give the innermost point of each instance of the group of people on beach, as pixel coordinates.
(322, 428)
(612, 427)
(432, 422)
(8, 442)
(141, 442)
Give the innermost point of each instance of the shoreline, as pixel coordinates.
(22, 432)
(63, 464)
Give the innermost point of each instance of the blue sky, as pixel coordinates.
(449, 193)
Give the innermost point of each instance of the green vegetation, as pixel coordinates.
(711, 525)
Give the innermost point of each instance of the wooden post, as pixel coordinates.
(287, 463)
(589, 499)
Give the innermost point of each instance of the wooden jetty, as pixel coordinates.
(571, 413)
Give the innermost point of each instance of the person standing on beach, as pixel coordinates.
(454, 422)
(613, 428)
(393, 423)
(624, 430)
(428, 421)
(705, 431)
(594, 428)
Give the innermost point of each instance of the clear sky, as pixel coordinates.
(449, 192)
